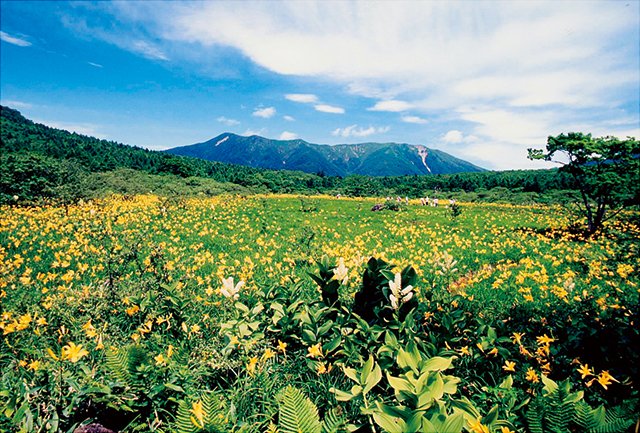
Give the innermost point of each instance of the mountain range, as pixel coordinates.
(373, 159)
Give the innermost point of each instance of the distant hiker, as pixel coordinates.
(339, 195)
(422, 201)
(406, 199)
(435, 202)
(377, 207)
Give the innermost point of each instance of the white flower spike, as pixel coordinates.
(398, 293)
(341, 273)
(228, 290)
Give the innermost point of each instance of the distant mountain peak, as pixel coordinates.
(374, 159)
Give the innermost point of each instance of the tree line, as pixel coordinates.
(37, 161)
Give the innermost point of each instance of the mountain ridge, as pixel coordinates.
(369, 158)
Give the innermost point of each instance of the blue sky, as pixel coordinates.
(480, 80)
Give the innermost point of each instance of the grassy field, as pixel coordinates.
(123, 312)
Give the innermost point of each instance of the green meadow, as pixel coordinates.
(316, 314)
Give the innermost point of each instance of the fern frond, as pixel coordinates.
(334, 421)
(183, 419)
(534, 416)
(124, 363)
(297, 413)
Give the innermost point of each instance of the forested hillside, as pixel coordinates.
(37, 161)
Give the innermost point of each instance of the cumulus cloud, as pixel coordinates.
(14, 39)
(249, 132)
(306, 98)
(289, 118)
(288, 136)
(393, 106)
(329, 109)
(351, 131)
(455, 136)
(265, 112)
(414, 119)
(530, 62)
(229, 122)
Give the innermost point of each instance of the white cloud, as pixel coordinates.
(249, 132)
(454, 136)
(511, 126)
(16, 104)
(414, 119)
(89, 129)
(351, 131)
(288, 136)
(329, 109)
(96, 65)
(14, 40)
(229, 122)
(306, 98)
(393, 106)
(289, 118)
(540, 65)
(265, 112)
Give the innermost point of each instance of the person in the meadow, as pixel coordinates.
(435, 202)
(339, 195)
(421, 201)
(406, 199)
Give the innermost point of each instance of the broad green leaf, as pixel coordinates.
(491, 417)
(399, 384)
(373, 379)
(242, 307)
(351, 374)
(366, 370)
(389, 423)
(331, 345)
(454, 423)
(451, 384)
(341, 395)
(437, 363)
(406, 359)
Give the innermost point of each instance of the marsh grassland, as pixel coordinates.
(294, 313)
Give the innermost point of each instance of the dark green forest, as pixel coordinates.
(39, 162)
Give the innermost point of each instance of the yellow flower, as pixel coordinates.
(282, 347)
(478, 427)
(585, 371)
(465, 350)
(545, 340)
(323, 369)
(493, 351)
(34, 365)
(505, 430)
(315, 351)
(267, 354)
(517, 337)
(51, 354)
(160, 360)
(605, 379)
(73, 353)
(196, 409)
(251, 367)
(532, 376)
(509, 366)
